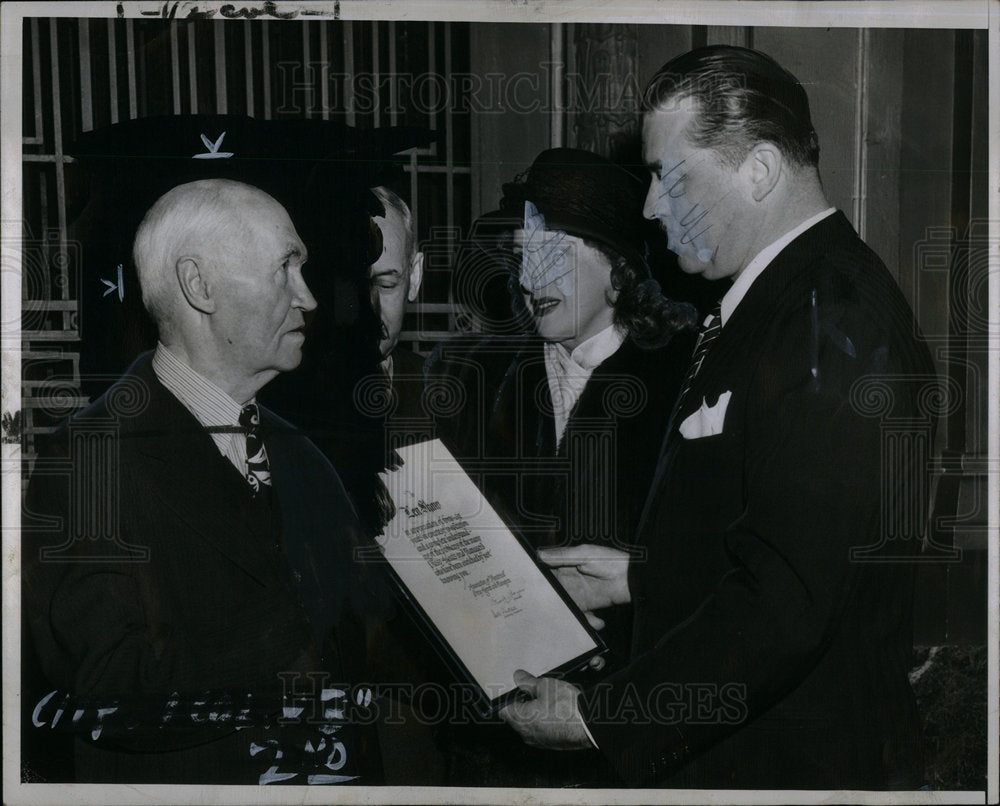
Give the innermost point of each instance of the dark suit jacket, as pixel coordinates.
(764, 654)
(408, 386)
(191, 587)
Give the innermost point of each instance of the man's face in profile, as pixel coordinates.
(694, 196)
(395, 278)
(262, 297)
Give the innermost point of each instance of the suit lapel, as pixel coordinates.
(319, 525)
(753, 312)
(521, 409)
(762, 299)
(194, 480)
(536, 400)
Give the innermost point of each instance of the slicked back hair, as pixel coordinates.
(391, 200)
(744, 97)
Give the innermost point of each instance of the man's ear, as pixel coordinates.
(194, 285)
(416, 276)
(763, 165)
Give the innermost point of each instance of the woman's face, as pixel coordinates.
(566, 284)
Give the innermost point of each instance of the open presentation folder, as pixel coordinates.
(478, 586)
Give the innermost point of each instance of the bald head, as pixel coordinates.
(220, 268)
(194, 219)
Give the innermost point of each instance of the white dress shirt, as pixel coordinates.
(568, 372)
(213, 408)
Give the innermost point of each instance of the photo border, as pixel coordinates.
(965, 14)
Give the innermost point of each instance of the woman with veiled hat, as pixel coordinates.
(600, 351)
(568, 416)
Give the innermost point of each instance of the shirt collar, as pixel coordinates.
(761, 261)
(206, 401)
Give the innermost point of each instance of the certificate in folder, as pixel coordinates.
(478, 586)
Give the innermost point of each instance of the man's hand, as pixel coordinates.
(593, 576)
(552, 719)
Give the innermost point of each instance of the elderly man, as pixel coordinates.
(188, 604)
(771, 613)
(396, 277)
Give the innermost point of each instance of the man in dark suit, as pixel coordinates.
(772, 596)
(401, 656)
(195, 580)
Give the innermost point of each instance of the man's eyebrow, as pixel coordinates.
(384, 272)
(654, 166)
(294, 251)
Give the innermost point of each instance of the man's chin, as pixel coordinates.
(692, 265)
(289, 361)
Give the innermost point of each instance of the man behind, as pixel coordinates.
(396, 278)
(225, 574)
(771, 622)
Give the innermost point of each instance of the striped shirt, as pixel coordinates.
(213, 408)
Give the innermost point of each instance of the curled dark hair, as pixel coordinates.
(744, 98)
(640, 307)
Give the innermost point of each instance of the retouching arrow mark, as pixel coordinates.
(213, 152)
(120, 287)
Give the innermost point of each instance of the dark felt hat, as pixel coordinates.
(586, 195)
(578, 192)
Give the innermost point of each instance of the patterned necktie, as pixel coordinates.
(709, 333)
(258, 471)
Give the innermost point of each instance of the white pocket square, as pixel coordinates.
(708, 420)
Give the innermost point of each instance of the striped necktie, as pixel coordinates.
(709, 333)
(258, 471)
